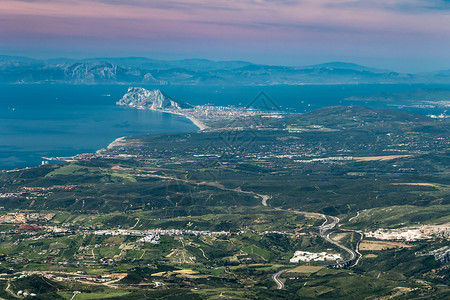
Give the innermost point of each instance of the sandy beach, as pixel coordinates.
(194, 120)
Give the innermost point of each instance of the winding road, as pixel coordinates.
(324, 232)
(280, 285)
(330, 223)
(264, 198)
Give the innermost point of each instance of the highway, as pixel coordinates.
(330, 223)
(275, 276)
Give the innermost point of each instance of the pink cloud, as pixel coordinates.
(316, 24)
(231, 17)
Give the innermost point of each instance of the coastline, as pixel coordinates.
(122, 140)
(194, 120)
(115, 143)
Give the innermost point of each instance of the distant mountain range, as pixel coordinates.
(140, 70)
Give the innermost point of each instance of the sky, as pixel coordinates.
(401, 35)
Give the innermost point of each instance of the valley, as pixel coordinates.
(222, 211)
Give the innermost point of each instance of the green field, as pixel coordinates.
(233, 206)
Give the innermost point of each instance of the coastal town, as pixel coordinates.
(205, 117)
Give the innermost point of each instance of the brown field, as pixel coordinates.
(340, 236)
(380, 245)
(417, 183)
(382, 158)
(186, 272)
(371, 256)
(313, 215)
(119, 168)
(256, 265)
(305, 269)
(398, 291)
(171, 253)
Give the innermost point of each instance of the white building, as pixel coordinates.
(303, 256)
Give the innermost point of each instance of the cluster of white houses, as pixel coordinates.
(153, 235)
(303, 256)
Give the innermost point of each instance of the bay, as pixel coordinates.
(64, 120)
(60, 120)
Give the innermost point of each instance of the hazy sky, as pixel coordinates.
(404, 35)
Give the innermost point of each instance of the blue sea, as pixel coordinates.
(64, 120)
